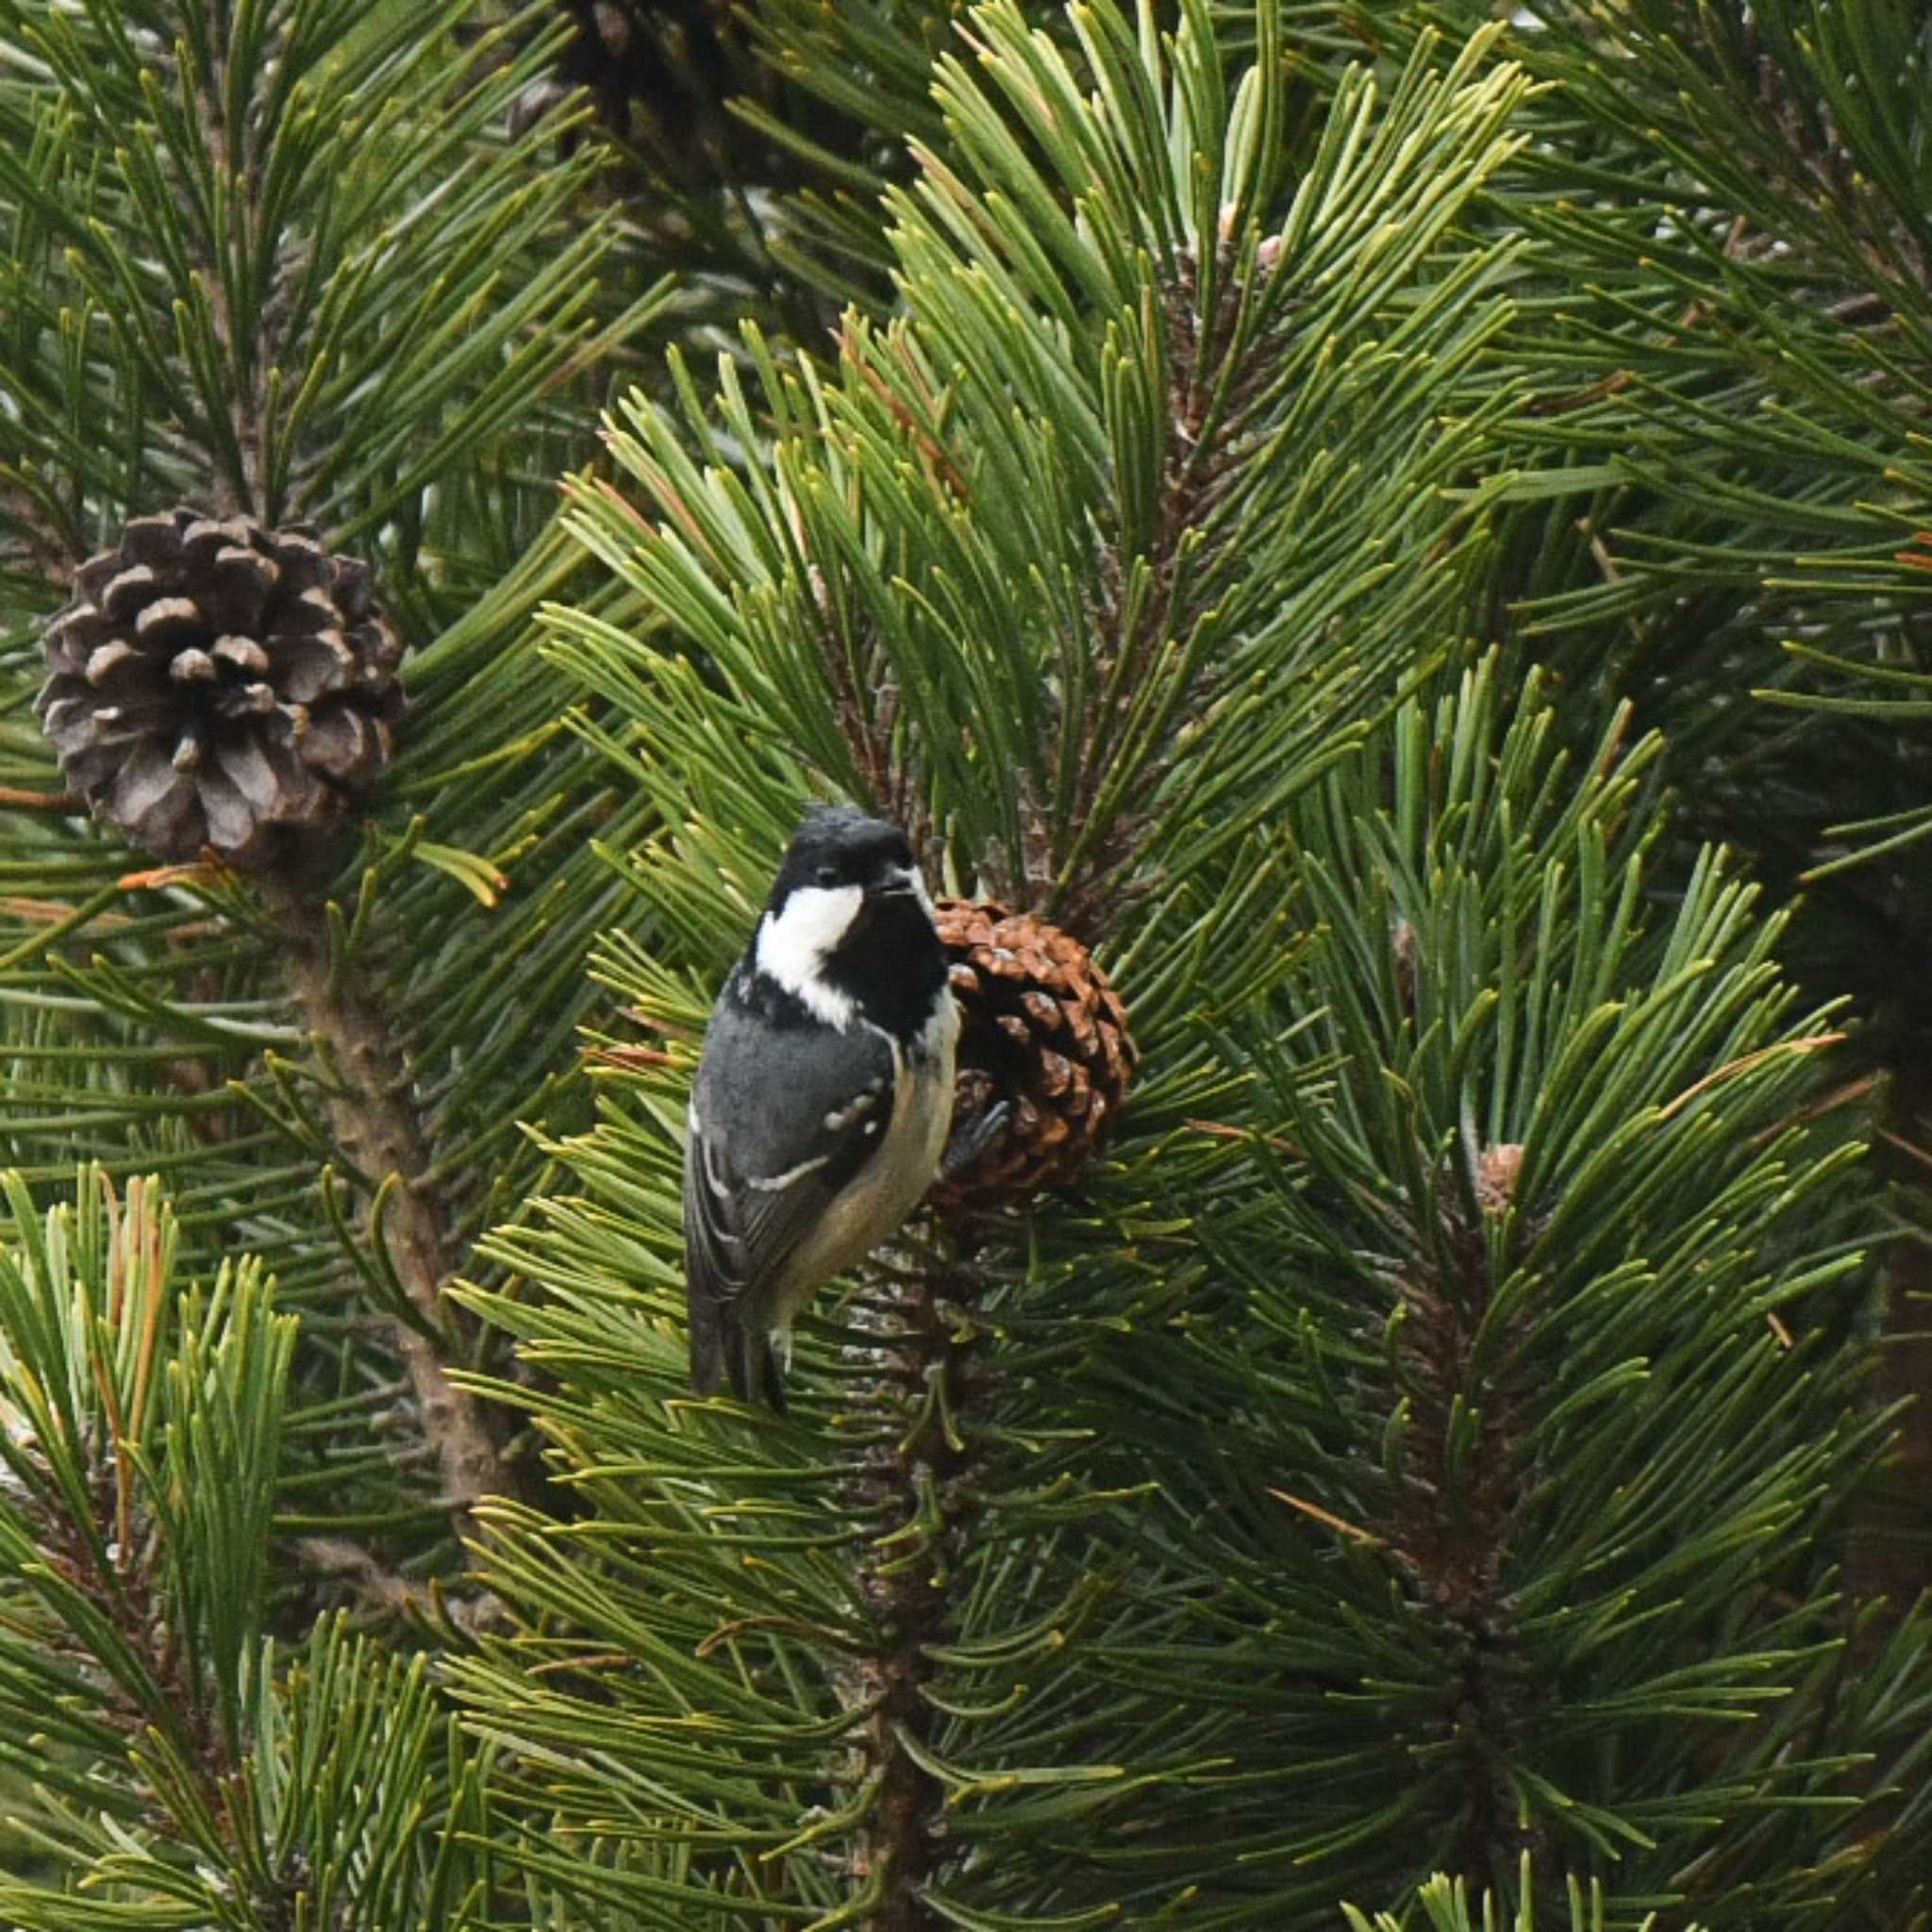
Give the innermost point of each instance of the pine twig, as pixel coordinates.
(37, 541)
(1452, 1536)
(234, 492)
(914, 1473)
(15, 798)
(339, 1557)
(382, 1137)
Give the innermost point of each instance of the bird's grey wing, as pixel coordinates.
(808, 1109)
(726, 1347)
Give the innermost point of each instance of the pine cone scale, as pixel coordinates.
(168, 624)
(108, 658)
(243, 653)
(149, 788)
(312, 667)
(232, 825)
(147, 539)
(123, 594)
(245, 766)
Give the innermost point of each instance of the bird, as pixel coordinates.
(822, 1105)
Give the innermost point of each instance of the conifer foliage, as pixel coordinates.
(1312, 517)
(1047, 499)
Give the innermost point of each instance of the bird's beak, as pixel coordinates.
(895, 885)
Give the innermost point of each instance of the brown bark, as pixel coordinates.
(912, 1478)
(368, 1112)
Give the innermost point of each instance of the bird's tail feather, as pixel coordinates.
(725, 1348)
(707, 1343)
(756, 1373)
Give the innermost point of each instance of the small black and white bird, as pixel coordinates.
(823, 1098)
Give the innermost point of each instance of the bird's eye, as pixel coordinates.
(826, 875)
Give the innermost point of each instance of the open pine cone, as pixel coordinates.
(218, 684)
(1040, 1029)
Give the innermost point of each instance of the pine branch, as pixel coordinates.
(1214, 380)
(917, 1475)
(1551, 1216)
(148, 1020)
(1463, 1478)
(1057, 498)
(180, 1773)
(367, 1106)
(101, 1520)
(35, 543)
(244, 357)
(311, 277)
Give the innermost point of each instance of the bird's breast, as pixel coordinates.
(887, 1188)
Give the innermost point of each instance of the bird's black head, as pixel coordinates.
(836, 847)
(849, 926)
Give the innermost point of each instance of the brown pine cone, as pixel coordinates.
(218, 684)
(1040, 1029)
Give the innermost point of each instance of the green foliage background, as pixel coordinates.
(1347, 508)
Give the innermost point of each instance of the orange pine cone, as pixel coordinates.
(1042, 1030)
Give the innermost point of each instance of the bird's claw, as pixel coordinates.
(970, 1137)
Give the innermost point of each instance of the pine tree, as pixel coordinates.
(1746, 462)
(1318, 518)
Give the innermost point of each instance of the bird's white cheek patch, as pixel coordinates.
(793, 947)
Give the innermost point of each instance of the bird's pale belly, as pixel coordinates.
(889, 1186)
